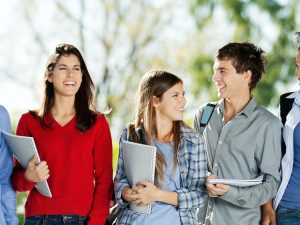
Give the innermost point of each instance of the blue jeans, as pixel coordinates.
(286, 216)
(56, 220)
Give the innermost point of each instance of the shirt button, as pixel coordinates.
(216, 164)
(220, 142)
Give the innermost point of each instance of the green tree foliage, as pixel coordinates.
(248, 27)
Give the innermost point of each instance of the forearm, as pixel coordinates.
(268, 216)
(167, 197)
(254, 196)
(20, 182)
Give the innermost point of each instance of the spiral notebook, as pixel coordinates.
(239, 183)
(24, 149)
(139, 162)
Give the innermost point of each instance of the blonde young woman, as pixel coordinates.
(180, 165)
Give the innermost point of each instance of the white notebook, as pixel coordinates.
(24, 149)
(238, 183)
(139, 162)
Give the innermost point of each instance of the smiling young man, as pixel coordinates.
(242, 139)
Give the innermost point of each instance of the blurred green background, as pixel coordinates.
(121, 40)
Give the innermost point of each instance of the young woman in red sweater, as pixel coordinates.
(74, 144)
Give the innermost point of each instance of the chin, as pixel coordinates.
(220, 95)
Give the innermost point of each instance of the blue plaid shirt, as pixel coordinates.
(192, 168)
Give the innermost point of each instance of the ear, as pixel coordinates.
(155, 101)
(248, 74)
(49, 78)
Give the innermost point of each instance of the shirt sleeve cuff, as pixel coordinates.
(123, 203)
(182, 202)
(230, 195)
(27, 183)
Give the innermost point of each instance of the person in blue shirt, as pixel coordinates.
(180, 171)
(286, 204)
(7, 193)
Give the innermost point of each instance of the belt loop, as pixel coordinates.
(45, 217)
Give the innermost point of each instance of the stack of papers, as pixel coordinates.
(238, 183)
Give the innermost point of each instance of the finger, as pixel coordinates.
(210, 187)
(41, 169)
(213, 195)
(266, 222)
(127, 198)
(47, 176)
(212, 176)
(135, 188)
(135, 196)
(144, 183)
(220, 189)
(42, 164)
(45, 173)
(32, 161)
(273, 220)
(138, 201)
(128, 190)
(222, 186)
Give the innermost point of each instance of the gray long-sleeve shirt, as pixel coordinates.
(243, 148)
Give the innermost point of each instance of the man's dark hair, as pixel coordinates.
(245, 56)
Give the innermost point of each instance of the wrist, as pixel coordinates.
(159, 195)
(27, 178)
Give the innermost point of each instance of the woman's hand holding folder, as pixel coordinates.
(37, 173)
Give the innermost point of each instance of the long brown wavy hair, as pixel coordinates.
(156, 83)
(85, 110)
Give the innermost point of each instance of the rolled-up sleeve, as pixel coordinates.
(120, 180)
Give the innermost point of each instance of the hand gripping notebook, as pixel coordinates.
(24, 149)
(139, 162)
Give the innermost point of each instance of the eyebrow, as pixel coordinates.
(219, 68)
(67, 65)
(222, 68)
(177, 92)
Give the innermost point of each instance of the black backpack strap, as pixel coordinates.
(136, 135)
(206, 115)
(286, 105)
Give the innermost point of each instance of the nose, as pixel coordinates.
(183, 100)
(297, 72)
(69, 72)
(215, 77)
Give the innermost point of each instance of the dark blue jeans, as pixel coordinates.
(286, 216)
(56, 220)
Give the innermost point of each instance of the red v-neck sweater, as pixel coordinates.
(80, 166)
